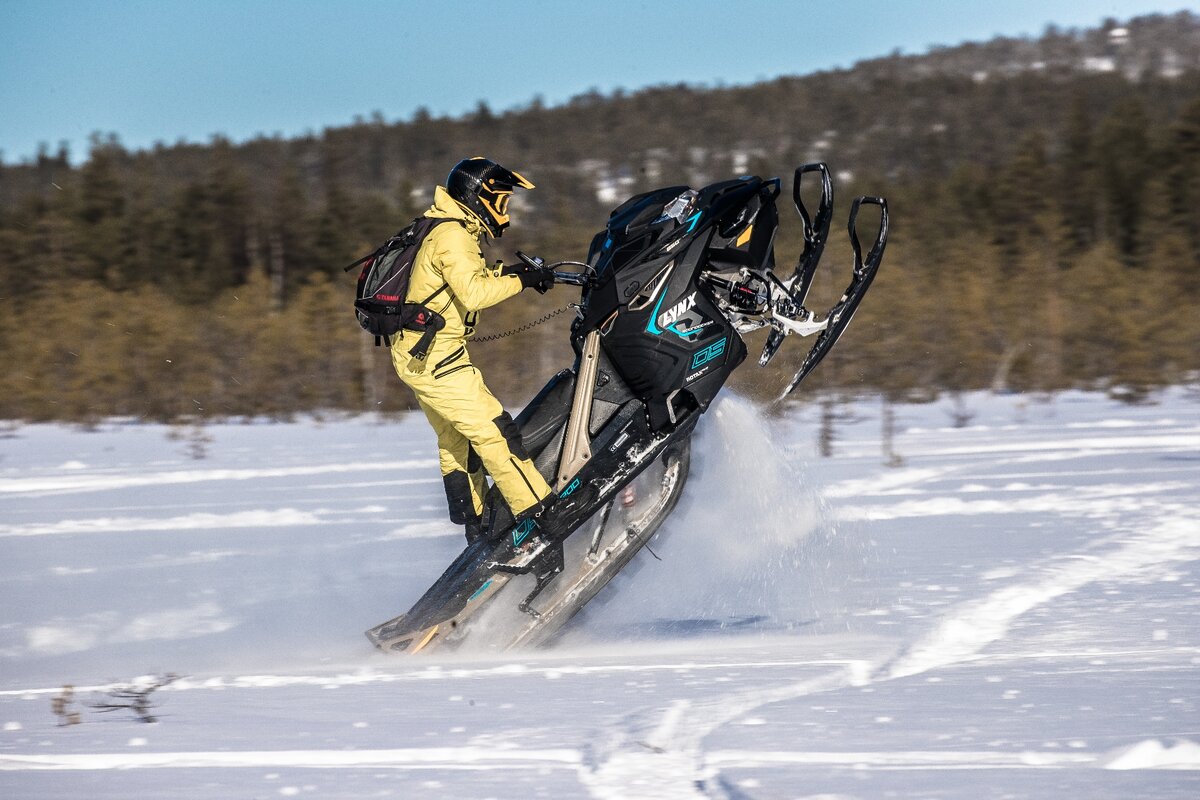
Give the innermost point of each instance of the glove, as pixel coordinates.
(539, 278)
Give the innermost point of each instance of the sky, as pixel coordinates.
(169, 70)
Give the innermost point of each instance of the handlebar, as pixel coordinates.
(582, 278)
(572, 278)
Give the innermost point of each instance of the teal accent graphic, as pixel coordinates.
(709, 353)
(480, 590)
(571, 487)
(652, 325)
(694, 218)
(523, 530)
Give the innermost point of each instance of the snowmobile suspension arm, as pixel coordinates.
(767, 298)
(806, 326)
(576, 444)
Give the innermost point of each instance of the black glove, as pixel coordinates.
(540, 278)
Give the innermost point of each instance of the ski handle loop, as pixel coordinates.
(816, 229)
(876, 253)
(816, 233)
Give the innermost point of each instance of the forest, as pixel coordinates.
(1044, 196)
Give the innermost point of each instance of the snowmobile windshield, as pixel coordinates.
(679, 208)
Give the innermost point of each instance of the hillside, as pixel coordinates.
(1025, 175)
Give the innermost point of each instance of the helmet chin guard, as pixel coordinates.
(484, 188)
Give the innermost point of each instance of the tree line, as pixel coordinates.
(1045, 235)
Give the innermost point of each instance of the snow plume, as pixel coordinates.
(731, 551)
(1153, 754)
(61, 636)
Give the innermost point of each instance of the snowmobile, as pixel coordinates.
(670, 286)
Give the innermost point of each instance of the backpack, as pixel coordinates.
(383, 286)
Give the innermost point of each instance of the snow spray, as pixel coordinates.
(730, 554)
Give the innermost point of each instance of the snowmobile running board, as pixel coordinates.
(487, 565)
(565, 594)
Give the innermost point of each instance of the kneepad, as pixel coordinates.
(512, 435)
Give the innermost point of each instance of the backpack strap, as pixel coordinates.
(427, 321)
(429, 299)
(435, 222)
(368, 257)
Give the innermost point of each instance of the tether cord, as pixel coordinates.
(527, 326)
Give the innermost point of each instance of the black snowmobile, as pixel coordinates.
(670, 286)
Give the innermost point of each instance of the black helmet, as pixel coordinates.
(484, 187)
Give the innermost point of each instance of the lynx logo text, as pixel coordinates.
(676, 312)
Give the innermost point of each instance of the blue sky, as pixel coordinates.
(165, 70)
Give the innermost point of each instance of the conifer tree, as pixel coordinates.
(1122, 143)
(103, 234)
(1076, 177)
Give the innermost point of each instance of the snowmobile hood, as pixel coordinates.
(445, 206)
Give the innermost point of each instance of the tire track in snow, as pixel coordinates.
(466, 758)
(220, 522)
(660, 755)
(976, 624)
(74, 482)
(258, 518)
(663, 759)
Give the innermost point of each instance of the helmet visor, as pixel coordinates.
(496, 204)
(520, 181)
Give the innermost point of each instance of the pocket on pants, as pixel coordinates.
(450, 363)
(437, 376)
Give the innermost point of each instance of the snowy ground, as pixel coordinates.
(1013, 612)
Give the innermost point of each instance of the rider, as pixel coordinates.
(474, 432)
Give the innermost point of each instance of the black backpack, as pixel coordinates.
(383, 286)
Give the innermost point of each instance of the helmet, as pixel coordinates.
(484, 187)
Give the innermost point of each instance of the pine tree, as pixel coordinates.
(103, 233)
(1121, 144)
(1076, 177)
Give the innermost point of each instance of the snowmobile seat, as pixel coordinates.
(546, 414)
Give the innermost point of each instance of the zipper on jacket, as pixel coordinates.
(450, 359)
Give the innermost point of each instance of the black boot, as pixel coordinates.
(474, 529)
(554, 514)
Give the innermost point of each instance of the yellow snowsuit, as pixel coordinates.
(474, 432)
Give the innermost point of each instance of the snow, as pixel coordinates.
(1013, 613)
(1152, 754)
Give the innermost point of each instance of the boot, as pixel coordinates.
(474, 529)
(553, 512)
